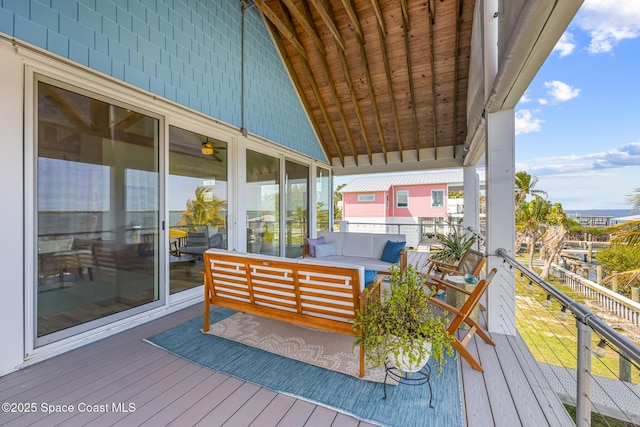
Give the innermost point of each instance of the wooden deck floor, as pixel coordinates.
(167, 390)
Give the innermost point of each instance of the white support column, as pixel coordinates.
(471, 198)
(501, 296)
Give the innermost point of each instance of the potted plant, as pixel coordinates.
(454, 245)
(399, 325)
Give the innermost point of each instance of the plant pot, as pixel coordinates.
(403, 364)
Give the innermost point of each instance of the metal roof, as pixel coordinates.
(384, 182)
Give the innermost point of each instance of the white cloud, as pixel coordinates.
(525, 122)
(543, 101)
(565, 45)
(525, 98)
(609, 21)
(560, 91)
(593, 164)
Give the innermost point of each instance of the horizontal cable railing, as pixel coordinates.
(565, 353)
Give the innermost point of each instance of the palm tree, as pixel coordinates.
(531, 222)
(337, 196)
(525, 185)
(205, 209)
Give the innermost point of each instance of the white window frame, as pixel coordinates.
(433, 205)
(405, 194)
(365, 198)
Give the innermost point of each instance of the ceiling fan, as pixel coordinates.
(208, 149)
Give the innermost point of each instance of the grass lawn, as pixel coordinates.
(553, 340)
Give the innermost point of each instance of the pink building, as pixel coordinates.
(402, 199)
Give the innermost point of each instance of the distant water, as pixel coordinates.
(601, 212)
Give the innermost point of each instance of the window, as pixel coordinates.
(98, 210)
(437, 198)
(323, 199)
(366, 197)
(198, 199)
(402, 198)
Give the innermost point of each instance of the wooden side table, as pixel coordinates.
(457, 299)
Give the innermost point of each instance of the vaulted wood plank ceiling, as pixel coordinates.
(381, 80)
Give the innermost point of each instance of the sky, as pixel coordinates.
(578, 123)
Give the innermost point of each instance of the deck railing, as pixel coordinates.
(611, 301)
(570, 368)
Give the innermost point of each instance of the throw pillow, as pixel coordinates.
(313, 243)
(391, 252)
(369, 275)
(325, 250)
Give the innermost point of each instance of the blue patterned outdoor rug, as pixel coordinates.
(405, 405)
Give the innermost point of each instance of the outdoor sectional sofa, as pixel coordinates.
(365, 249)
(308, 292)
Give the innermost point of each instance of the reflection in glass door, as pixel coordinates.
(323, 200)
(97, 212)
(296, 196)
(263, 203)
(197, 189)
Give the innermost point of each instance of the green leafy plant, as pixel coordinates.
(454, 245)
(399, 322)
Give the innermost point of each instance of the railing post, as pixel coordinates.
(635, 294)
(583, 393)
(624, 368)
(599, 274)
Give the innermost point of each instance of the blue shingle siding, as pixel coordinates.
(188, 51)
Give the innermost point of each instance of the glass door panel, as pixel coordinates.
(323, 200)
(97, 211)
(296, 197)
(198, 194)
(263, 203)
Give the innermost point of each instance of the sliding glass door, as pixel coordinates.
(297, 213)
(197, 197)
(97, 204)
(262, 196)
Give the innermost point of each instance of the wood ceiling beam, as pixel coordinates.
(66, 103)
(130, 120)
(289, 35)
(299, 16)
(332, 86)
(316, 92)
(387, 72)
(456, 61)
(354, 97)
(353, 17)
(328, 21)
(431, 15)
(367, 73)
(412, 93)
(378, 12)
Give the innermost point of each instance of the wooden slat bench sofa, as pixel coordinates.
(311, 293)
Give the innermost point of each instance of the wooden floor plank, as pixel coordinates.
(321, 417)
(502, 405)
(529, 411)
(298, 414)
(207, 403)
(252, 409)
(229, 406)
(274, 412)
(552, 407)
(476, 400)
(343, 420)
(168, 390)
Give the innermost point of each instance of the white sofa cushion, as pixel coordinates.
(330, 236)
(358, 245)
